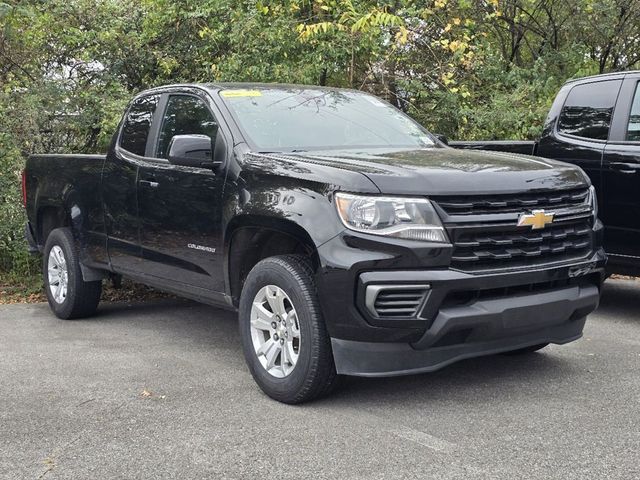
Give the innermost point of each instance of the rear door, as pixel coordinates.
(621, 175)
(181, 207)
(119, 184)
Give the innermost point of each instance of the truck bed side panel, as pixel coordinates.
(511, 146)
(69, 185)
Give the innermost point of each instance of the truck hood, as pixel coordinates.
(447, 171)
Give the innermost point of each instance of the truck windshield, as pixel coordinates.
(286, 119)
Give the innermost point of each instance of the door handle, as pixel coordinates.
(148, 183)
(623, 167)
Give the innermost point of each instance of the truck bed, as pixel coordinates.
(68, 157)
(511, 146)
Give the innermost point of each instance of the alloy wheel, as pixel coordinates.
(275, 331)
(58, 274)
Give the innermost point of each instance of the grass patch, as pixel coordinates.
(31, 290)
(21, 290)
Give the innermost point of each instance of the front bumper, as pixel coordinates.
(463, 315)
(483, 327)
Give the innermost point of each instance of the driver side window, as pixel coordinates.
(185, 115)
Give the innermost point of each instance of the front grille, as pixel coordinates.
(488, 204)
(510, 246)
(485, 235)
(391, 301)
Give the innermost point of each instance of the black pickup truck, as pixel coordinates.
(349, 238)
(595, 123)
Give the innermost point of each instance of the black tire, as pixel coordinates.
(314, 374)
(526, 350)
(82, 297)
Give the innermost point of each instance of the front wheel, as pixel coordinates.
(68, 294)
(284, 338)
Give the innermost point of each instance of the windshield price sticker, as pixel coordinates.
(240, 93)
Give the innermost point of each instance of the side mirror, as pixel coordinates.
(192, 151)
(442, 138)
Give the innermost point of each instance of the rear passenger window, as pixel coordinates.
(633, 129)
(137, 124)
(588, 109)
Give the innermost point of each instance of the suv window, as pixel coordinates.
(185, 115)
(633, 128)
(137, 124)
(588, 109)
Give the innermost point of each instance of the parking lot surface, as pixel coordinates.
(160, 390)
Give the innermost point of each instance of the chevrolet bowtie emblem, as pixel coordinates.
(536, 219)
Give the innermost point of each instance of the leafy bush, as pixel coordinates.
(14, 258)
(484, 69)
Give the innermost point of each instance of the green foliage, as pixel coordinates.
(469, 69)
(13, 253)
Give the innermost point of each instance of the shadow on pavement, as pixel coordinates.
(461, 381)
(191, 323)
(621, 299)
(202, 325)
(205, 327)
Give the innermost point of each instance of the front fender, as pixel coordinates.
(293, 191)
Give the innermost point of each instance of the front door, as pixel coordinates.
(621, 186)
(181, 207)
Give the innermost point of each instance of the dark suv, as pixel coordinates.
(595, 123)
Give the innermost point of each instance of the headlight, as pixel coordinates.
(410, 218)
(594, 200)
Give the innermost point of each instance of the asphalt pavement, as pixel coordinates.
(160, 390)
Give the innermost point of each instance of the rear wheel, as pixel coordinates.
(68, 294)
(525, 350)
(284, 337)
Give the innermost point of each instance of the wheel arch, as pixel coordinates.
(251, 238)
(48, 218)
(66, 214)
